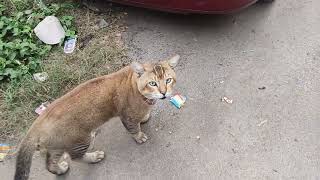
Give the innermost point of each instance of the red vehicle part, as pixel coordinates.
(191, 6)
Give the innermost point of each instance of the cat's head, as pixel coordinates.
(156, 80)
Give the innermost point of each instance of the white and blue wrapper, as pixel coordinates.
(178, 101)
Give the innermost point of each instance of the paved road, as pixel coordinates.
(270, 133)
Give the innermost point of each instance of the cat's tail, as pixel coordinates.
(24, 159)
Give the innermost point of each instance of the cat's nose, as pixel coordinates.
(164, 95)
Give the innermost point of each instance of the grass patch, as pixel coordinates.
(20, 50)
(101, 55)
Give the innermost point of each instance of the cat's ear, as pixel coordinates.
(173, 62)
(137, 68)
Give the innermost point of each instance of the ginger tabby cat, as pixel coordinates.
(64, 129)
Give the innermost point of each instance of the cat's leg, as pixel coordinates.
(84, 150)
(57, 161)
(93, 156)
(146, 118)
(134, 129)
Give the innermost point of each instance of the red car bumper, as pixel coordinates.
(191, 6)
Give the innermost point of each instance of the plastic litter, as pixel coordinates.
(178, 100)
(42, 107)
(40, 77)
(4, 149)
(69, 45)
(50, 31)
(227, 100)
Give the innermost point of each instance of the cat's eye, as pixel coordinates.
(169, 80)
(152, 83)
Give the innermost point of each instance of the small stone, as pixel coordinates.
(118, 34)
(102, 23)
(170, 132)
(221, 82)
(262, 88)
(157, 129)
(168, 145)
(198, 137)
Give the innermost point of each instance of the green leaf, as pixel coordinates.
(16, 31)
(23, 52)
(1, 24)
(12, 56)
(26, 29)
(19, 15)
(2, 63)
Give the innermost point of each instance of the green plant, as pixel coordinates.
(20, 50)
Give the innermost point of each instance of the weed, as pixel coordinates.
(20, 51)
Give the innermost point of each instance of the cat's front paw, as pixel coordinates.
(140, 137)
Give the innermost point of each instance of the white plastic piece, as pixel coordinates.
(49, 30)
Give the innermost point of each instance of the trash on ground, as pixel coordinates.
(85, 41)
(42, 107)
(28, 12)
(40, 77)
(102, 24)
(227, 100)
(2, 156)
(262, 123)
(178, 100)
(69, 45)
(4, 149)
(262, 88)
(49, 30)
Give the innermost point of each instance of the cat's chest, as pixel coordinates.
(138, 110)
